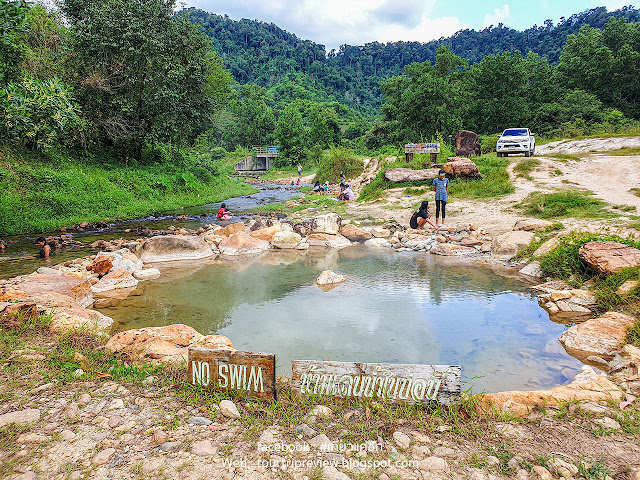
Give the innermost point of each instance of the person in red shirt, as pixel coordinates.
(223, 213)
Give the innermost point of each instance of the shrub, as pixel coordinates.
(335, 161)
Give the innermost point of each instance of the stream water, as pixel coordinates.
(395, 307)
(21, 255)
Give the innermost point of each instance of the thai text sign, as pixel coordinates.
(400, 383)
(422, 148)
(248, 372)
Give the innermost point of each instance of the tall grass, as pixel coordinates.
(338, 160)
(567, 203)
(44, 192)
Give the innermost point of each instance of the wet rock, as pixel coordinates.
(571, 305)
(510, 243)
(532, 224)
(103, 456)
(602, 336)
(532, 270)
(461, 167)
(266, 233)
(203, 448)
(115, 279)
(328, 240)
(76, 289)
(231, 229)
(77, 319)
(470, 242)
(285, 240)
(165, 344)
(146, 274)
(626, 362)
(242, 243)
(609, 257)
(355, 234)
(408, 175)
(328, 277)
(329, 224)
(586, 386)
(379, 232)
(377, 242)
(100, 267)
(164, 248)
(452, 250)
(229, 409)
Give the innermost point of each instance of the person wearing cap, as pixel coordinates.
(441, 187)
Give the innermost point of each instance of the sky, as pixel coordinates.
(356, 22)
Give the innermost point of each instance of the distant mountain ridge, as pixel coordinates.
(264, 54)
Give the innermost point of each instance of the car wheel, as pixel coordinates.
(527, 153)
(533, 151)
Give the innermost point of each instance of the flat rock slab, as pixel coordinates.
(329, 223)
(511, 243)
(242, 243)
(78, 289)
(407, 175)
(20, 417)
(452, 250)
(78, 319)
(166, 248)
(609, 257)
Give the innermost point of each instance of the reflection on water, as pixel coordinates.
(394, 307)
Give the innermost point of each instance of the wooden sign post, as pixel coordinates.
(398, 383)
(248, 372)
(411, 148)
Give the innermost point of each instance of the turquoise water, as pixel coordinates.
(394, 308)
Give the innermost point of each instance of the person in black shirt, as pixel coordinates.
(421, 216)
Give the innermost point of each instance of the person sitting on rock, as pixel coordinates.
(45, 249)
(223, 213)
(317, 188)
(421, 216)
(346, 193)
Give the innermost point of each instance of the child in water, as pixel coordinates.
(45, 249)
(223, 213)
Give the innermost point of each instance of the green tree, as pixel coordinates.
(144, 76)
(13, 21)
(291, 135)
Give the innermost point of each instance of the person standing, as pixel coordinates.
(441, 187)
(299, 169)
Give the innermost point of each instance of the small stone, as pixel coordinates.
(607, 423)
(28, 476)
(492, 461)
(522, 474)
(433, 464)
(42, 388)
(103, 456)
(78, 373)
(118, 460)
(149, 381)
(592, 408)
(203, 448)
(401, 439)
(32, 438)
(305, 430)
(169, 446)
(229, 409)
(321, 441)
(477, 474)
(268, 436)
(20, 417)
(200, 421)
(116, 404)
(78, 357)
(72, 412)
(332, 473)
(597, 361)
(420, 437)
(84, 399)
(67, 435)
(539, 472)
(114, 421)
(444, 452)
(159, 436)
(513, 463)
(321, 411)
(626, 287)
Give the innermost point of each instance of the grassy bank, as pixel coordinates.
(495, 182)
(43, 192)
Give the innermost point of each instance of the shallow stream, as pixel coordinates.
(404, 307)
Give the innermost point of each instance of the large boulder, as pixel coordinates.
(169, 344)
(18, 310)
(602, 336)
(166, 248)
(461, 167)
(609, 257)
(587, 386)
(568, 305)
(231, 229)
(242, 243)
(76, 289)
(467, 143)
(532, 224)
(79, 320)
(452, 250)
(285, 240)
(407, 175)
(354, 233)
(326, 240)
(510, 243)
(115, 279)
(120, 259)
(329, 277)
(329, 223)
(266, 233)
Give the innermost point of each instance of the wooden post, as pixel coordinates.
(434, 158)
(408, 157)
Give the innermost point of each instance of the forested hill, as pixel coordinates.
(264, 54)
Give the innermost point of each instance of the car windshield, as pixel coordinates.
(515, 132)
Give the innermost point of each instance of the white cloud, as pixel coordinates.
(334, 22)
(612, 4)
(499, 15)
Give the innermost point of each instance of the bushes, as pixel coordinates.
(335, 161)
(568, 203)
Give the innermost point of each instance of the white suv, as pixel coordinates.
(516, 140)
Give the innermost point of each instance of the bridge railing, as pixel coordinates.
(266, 150)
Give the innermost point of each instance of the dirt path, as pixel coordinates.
(587, 145)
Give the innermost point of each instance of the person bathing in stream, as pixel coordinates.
(420, 217)
(45, 249)
(223, 213)
(441, 187)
